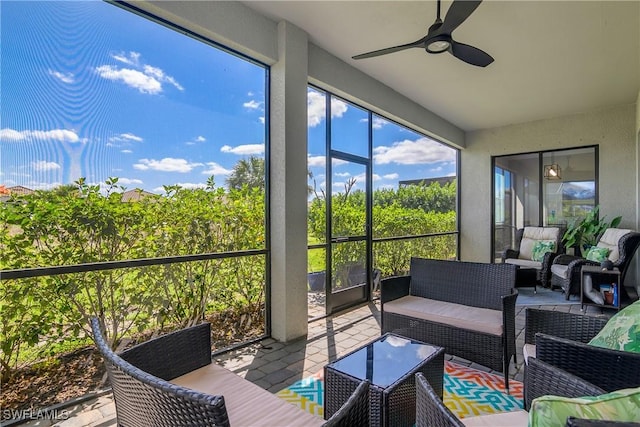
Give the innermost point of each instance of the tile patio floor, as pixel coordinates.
(274, 365)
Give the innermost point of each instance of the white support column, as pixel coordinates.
(288, 185)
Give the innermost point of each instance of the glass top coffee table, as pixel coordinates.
(390, 363)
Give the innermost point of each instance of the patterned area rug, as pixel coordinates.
(467, 392)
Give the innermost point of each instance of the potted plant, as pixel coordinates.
(316, 280)
(584, 233)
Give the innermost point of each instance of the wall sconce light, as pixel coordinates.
(552, 171)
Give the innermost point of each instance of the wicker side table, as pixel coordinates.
(390, 363)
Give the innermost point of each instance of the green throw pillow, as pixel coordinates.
(597, 254)
(540, 248)
(622, 331)
(552, 411)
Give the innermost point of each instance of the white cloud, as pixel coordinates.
(261, 118)
(61, 135)
(391, 176)
(342, 174)
(407, 152)
(132, 78)
(196, 140)
(145, 78)
(316, 161)
(243, 150)
(216, 169)
(126, 151)
(378, 122)
(126, 137)
(252, 105)
(63, 77)
(316, 104)
(129, 181)
(43, 165)
(168, 164)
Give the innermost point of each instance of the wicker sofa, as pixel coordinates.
(539, 379)
(170, 381)
(561, 339)
(468, 308)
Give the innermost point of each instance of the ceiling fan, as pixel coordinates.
(438, 38)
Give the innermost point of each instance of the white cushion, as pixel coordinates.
(503, 419)
(528, 350)
(247, 404)
(457, 315)
(610, 239)
(560, 270)
(531, 235)
(524, 263)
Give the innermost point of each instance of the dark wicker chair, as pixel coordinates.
(144, 396)
(565, 269)
(561, 340)
(543, 269)
(472, 284)
(540, 379)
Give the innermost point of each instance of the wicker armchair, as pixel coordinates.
(521, 254)
(561, 339)
(539, 379)
(565, 269)
(144, 396)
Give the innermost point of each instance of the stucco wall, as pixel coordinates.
(612, 129)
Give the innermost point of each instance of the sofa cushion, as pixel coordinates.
(247, 404)
(622, 331)
(610, 239)
(525, 263)
(621, 405)
(457, 315)
(560, 270)
(503, 419)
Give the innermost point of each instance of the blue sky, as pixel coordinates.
(92, 90)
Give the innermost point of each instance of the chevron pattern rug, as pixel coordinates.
(467, 392)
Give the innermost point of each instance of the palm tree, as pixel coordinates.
(248, 172)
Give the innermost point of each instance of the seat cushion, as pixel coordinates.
(247, 404)
(528, 350)
(525, 263)
(457, 315)
(560, 270)
(503, 419)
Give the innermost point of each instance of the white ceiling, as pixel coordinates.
(552, 58)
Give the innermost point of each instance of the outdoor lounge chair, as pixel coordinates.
(561, 339)
(539, 379)
(148, 388)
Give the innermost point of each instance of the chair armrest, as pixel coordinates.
(565, 259)
(509, 320)
(542, 379)
(579, 422)
(393, 288)
(573, 326)
(608, 369)
(173, 354)
(510, 253)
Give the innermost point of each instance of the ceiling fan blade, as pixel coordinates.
(470, 55)
(417, 43)
(458, 12)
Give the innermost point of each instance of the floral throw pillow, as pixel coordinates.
(622, 331)
(540, 248)
(621, 405)
(597, 254)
